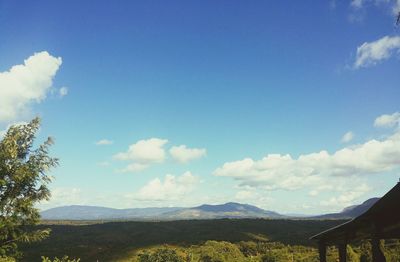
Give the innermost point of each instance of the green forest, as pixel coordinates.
(192, 240)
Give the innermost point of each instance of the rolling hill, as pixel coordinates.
(351, 211)
(77, 212)
(228, 210)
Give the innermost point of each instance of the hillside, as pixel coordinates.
(228, 210)
(350, 212)
(77, 212)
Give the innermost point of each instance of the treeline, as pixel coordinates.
(245, 251)
(249, 251)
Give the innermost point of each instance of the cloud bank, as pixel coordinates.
(322, 171)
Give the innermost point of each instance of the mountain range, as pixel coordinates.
(351, 211)
(227, 210)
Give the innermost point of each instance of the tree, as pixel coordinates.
(161, 255)
(23, 183)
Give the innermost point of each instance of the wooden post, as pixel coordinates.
(342, 252)
(322, 252)
(377, 254)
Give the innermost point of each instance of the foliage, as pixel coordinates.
(23, 183)
(365, 251)
(161, 255)
(248, 248)
(351, 255)
(63, 259)
(220, 251)
(112, 241)
(233, 240)
(7, 259)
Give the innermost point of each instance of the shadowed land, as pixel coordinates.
(114, 240)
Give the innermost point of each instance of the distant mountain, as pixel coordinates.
(228, 210)
(77, 212)
(351, 211)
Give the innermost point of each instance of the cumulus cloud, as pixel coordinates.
(371, 53)
(171, 188)
(25, 84)
(347, 137)
(63, 91)
(142, 154)
(392, 120)
(183, 154)
(277, 171)
(104, 142)
(347, 198)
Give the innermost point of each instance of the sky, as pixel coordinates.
(292, 106)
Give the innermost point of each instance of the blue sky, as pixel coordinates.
(208, 101)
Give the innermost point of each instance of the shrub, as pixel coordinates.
(214, 251)
(161, 255)
(63, 259)
(248, 248)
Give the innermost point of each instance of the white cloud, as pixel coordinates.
(371, 53)
(183, 154)
(172, 188)
(244, 195)
(392, 120)
(104, 142)
(277, 171)
(63, 91)
(357, 3)
(142, 154)
(26, 84)
(361, 4)
(347, 137)
(252, 196)
(347, 198)
(62, 196)
(396, 8)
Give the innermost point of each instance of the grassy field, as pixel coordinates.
(117, 241)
